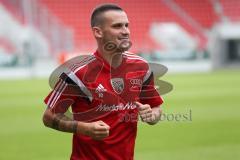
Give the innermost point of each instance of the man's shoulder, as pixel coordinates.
(86, 69)
(134, 58)
(82, 62)
(137, 61)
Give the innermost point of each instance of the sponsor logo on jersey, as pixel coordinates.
(118, 85)
(135, 82)
(118, 107)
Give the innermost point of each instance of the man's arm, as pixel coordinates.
(58, 121)
(148, 114)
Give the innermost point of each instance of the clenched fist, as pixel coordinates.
(148, 114)
(145, 112)
(97, 130)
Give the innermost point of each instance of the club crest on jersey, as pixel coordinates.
(117, 84)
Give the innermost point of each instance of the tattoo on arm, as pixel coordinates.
(63, 123)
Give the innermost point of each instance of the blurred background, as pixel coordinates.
(197, 40)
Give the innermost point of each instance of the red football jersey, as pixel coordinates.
(97, 91)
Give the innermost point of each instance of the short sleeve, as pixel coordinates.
(149, 94)
(64, 94)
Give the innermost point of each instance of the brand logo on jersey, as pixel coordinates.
(99, 90)
(117, 84)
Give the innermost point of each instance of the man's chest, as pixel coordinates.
(113, 87)
(111, 92)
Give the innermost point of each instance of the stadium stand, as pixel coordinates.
(75, 13)
(65, 23)
(231, 9)
(201, 11)
(51, 31)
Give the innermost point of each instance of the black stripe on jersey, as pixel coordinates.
(67, 79)
(147, 88)
(148, 80)
(73, 88)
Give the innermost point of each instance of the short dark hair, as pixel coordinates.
(96, 18)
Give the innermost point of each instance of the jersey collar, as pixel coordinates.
(106, 64)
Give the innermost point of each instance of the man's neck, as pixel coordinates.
(113, 59)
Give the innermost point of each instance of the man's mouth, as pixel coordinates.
(125, 43)
(124, 38)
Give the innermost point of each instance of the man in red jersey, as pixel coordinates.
(106, 91)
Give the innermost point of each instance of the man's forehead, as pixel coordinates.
(114, 16)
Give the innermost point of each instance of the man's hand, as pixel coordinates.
(148, 114)
(97, 130)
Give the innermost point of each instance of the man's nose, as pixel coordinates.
(125, 31)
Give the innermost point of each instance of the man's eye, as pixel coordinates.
(117, 26)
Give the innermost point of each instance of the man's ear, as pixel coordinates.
(97, 32)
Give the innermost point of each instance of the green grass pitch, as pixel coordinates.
(213, 133)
